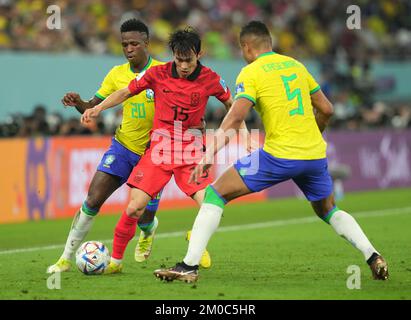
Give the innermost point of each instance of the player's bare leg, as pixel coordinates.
(227, 187)
(346, 226)
(199, 197)
(138, 202)
(230, 186)
(101, 187)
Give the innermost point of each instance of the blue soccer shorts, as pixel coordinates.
(260, 170)
(118, 161)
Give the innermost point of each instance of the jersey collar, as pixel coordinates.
(192, 76)
(148, 64)
(266, 54)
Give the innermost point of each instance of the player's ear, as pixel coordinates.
(246, 47)
(200, 54)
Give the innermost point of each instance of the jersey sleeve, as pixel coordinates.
(142, 82)
(107, 86)
(245, 87)
(312, 84)
(221, 91)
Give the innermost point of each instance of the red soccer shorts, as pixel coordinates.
(151, 177)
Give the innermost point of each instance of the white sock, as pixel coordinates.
(346, 226)
(205, 225)
(81, 225)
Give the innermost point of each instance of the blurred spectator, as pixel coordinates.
(73, 127)
(309, 28)
(55, 121)
(344, 109)
(402, 118)
(39, 123)
(306, 29)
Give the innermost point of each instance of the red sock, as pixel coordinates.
(123, 233)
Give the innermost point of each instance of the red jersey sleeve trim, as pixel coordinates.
(223, 98)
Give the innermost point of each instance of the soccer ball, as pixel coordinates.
(92, 257)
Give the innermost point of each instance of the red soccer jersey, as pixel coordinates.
(178, 99)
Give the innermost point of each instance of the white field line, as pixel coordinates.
(251, 226)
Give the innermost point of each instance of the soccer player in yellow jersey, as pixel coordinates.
(294, 112)
(128, 145)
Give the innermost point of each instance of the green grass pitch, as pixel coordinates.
(275, 250)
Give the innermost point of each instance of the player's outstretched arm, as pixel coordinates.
(228, 128)
(73, 99)
(111, 101)
(323, 109)
(228, 103)
(230, 125)
(249, 144)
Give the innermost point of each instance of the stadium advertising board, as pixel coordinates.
(48, 178)
(372, 160)
(13, 204)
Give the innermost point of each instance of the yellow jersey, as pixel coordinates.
(138, 111)
(280, 88)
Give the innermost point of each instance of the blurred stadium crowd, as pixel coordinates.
(42, 123)
(309, 29)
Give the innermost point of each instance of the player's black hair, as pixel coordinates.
(134, 25)
(256, 28)
(185, 41)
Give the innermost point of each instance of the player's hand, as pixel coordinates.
(251, 145)
(71, 99)
(89, 114)
(198, 172)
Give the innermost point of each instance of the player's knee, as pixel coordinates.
(323, 208)
(91, 212)
(321, 213)
(93, 202)
(131, 211)
(135, 209)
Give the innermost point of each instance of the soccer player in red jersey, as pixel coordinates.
(182, 88)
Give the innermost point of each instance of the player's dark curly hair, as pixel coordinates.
(255, 28)
(185, 41)
(134, 25)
